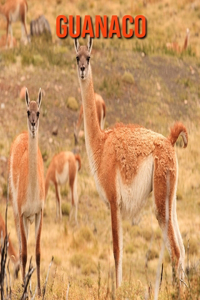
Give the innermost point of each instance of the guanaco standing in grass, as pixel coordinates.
(101, 115)
(176, 47)
(27, 183)
(128, 162)
(14, 10)
(11, 251)
(64, 168)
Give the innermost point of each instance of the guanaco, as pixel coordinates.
(128, 162)
(14, 10)
(27, 183)
(64, 168)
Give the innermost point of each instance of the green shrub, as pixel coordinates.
(72, 103)
(128, 78)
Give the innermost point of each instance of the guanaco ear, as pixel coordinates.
(39, 100)
(27, 98)
(90, 44)
(76, 44)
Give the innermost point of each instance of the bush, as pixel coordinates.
(72, 103)
(128, 78)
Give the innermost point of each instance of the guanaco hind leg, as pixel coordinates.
(165, 200)
(74, 196)
(117, 241)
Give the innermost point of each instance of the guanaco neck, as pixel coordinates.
(93, 134)
(33, 160)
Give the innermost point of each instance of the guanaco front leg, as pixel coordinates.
(38, 228)
(58, 203)
(23, 246)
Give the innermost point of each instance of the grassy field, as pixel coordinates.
(141, 82)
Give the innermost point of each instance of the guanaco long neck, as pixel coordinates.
(93, 134)
(33, 160)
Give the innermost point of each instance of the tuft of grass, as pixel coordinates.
(4, 192)
(72, 103)
(89, 268)
(153, 254)
(57, 261)
(65, 209)
(128, 77)
(86, 234)
(193, 246)
(64, 191)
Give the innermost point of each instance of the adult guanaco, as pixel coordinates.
(64, 168)
(11, 251)
(128, 162)
(101, 115)
(27, 183)
(14, 10)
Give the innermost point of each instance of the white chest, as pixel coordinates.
(33, 204)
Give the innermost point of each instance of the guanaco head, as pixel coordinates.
(33, 113)
(83, 58)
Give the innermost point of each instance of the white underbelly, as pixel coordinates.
(62, 177)
(132, 197)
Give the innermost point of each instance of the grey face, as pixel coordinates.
(33, 113)
(83, 58)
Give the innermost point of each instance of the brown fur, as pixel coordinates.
(118, 155)
(27, 184)
(56, 168)
(8, 9)
(176, 130)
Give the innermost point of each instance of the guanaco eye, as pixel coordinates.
(77, 58)
(88, 59)
(28, 113)
(38, 113)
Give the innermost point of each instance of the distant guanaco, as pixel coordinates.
(101, 115)
(14, 10)
(176, 47)
(62, 169)
(27, 183)
(11, 251)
